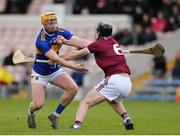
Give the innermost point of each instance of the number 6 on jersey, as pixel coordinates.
(117, 49)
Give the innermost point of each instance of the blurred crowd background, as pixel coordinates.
(152, 19)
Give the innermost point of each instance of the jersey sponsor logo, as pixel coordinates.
(117, 49)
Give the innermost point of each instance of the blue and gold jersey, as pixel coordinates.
(44, 43)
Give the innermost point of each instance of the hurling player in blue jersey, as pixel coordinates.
(47, 48)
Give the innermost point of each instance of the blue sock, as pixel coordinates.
(58, 110)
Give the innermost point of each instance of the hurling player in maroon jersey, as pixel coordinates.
(116, 84)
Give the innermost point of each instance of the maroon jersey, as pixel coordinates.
(109, 56)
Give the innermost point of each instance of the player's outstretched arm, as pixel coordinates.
(75, 54)
(55, 58)
(76, 41)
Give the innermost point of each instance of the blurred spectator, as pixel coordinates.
(149, 35)
(124, 37)
(59, 1)
(2, 5)
(126, 6)
(176, 68)
(17, 6)
(103, 6)
(159, 67)
(78, 6)
(5, 76)
(146, 22)
(138, 11)
(139, 35)
(159, 24)
(8, 59)
(153, 6)
(166, 7)
(160, 15)
(174, 19)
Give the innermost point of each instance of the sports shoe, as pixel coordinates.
(54, 121)
(128, 124)
(77, 125)
(31, 121)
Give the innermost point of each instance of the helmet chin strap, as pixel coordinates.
(47, 32)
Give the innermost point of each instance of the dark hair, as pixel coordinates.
(104, 29)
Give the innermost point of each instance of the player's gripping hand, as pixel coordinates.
(51, 62)
(60, 39)
(80, 67)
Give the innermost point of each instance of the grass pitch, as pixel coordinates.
(149, 117)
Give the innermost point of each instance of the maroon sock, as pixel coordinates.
(78, 122)
(124, 115)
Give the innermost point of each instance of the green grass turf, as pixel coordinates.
(150, 117)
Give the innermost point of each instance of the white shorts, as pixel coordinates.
(44, 80)
(115, 87)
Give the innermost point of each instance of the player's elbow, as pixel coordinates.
(55, 58)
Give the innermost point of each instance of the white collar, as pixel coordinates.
(47, 32)
(104, 37)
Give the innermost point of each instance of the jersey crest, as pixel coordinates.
(43, 36)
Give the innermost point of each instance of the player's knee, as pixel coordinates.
(87, 103)
(73, 90)
(38, 104)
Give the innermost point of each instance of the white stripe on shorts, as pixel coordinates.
(102, 85)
